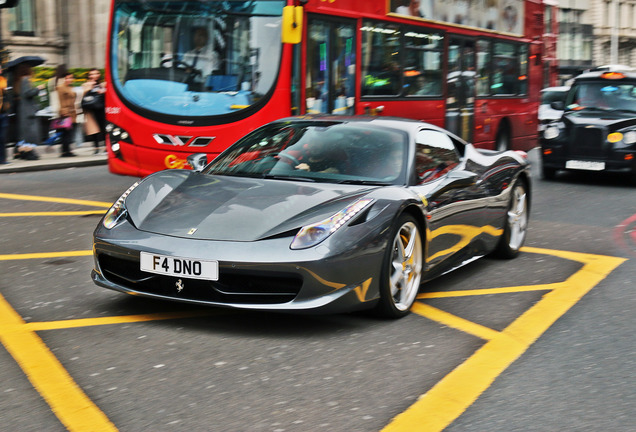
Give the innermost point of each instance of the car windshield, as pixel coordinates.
(602, 95)
(199, 58)
(549, 96)
(354, 153)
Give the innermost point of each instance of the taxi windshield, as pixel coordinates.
(602, 95)
(195, 58)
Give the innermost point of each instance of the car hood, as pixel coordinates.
(193, 205)
(613, 119)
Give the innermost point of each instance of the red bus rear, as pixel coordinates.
(194, 76)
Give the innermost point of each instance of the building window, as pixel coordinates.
(22, 18)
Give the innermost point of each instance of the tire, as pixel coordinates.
(548, 173)
(516, 223)
(401, 269)
(502, 142)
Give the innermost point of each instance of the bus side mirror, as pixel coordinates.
(292, 31)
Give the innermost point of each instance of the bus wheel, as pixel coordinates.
(503, 139)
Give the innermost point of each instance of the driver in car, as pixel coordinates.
(202, 58)
(324, 157)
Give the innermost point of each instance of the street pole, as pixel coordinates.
(614, 34)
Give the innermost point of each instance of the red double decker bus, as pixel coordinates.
(194, 76)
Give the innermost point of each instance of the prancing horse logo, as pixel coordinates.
(180, 285)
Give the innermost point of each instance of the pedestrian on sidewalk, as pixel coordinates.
(93, 108)
(29, 135)
(68, 114)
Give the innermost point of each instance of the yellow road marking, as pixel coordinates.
(451, 396)
(90, 322)
(488, 291)
(60, 213)
(55, 200)
(68, 402)
(45, 255)
(454, 321)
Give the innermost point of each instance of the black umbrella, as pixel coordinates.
(29, 60)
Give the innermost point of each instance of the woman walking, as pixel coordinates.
(68, 114)
(93, 107)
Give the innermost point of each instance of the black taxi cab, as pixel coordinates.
(597, 131)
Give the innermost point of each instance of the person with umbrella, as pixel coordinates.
(29, 134)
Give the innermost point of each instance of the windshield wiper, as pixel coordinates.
(284, 177)
(365, 182)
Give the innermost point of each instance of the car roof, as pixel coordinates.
(390, 122)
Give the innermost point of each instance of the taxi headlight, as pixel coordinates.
(551, 132)
(311, 235)
(118, 210)
(629, 137)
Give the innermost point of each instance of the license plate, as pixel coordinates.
(179, 266)
(585, 165)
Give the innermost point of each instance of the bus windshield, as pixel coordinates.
(195, 58)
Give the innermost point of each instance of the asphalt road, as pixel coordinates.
(542, 342)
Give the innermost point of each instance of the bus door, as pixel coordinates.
(460, 87)
(330, 64)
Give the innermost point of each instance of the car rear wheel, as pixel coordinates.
(516, 224)
(402, 269)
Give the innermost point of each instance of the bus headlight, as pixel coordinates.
(551, 132)
(117, 133)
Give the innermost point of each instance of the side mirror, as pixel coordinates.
(292, 30)
(558, 105)
(198, 161)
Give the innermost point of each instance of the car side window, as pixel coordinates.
(435, 155)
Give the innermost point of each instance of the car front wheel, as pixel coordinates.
(402, 269)
(516, 223)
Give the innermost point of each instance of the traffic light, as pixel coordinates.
(8, 3)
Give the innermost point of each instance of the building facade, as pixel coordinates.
(615, 32)
(71, 32)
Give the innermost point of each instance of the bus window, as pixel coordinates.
(483, 67)
(423, 63)
(505, 75)
(381, 59)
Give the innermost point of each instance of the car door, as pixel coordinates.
(451, 193)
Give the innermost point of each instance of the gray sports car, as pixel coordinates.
(321, 214)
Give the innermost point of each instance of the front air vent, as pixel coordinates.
(183, 140)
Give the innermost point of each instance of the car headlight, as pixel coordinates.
(118, 210)
(311, 235)
(551, 132)
(629, 137)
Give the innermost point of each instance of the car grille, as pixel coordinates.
(587, 142)
(231, 287)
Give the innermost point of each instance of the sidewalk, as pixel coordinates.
(50, 159)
